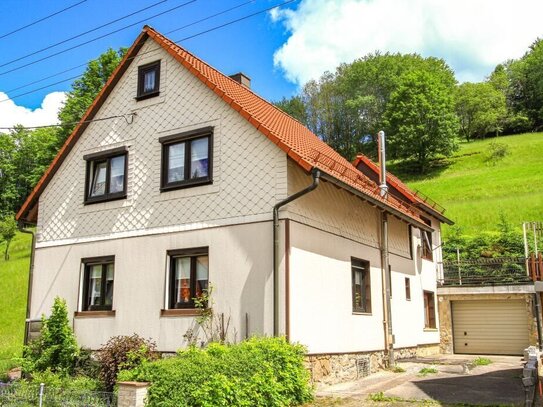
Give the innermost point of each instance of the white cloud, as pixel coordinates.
(473, 36)
(12, 114)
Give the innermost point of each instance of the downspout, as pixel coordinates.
(385, 276)
(30, 278)
(276, 260)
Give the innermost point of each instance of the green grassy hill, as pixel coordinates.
(475, 189)
(13, 291)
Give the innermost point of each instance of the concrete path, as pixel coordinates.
(456, 381)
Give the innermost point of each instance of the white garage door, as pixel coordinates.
(490, 327)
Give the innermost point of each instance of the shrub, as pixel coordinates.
(481, 361)
(497, 152)
(256, 372)
(123, 352)
(56, 348)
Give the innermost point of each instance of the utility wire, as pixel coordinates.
(41, 19)
(85, 64)
(153, 50)
(82, 34)
(128, 117)
(96, 39)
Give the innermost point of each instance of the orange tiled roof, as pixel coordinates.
(291, 136)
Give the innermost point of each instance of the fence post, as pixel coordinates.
(458, 260)
(42, 385)
(132, 394)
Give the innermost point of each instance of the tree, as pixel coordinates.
(526, 84)
(56, 348)
(294, 107)
(481, 109)
(8, 227)
(345, 108)
(85, 89)
(420, 119)
(8, 191)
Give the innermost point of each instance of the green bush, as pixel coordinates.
(256, 372)
(123, 352)
(56, 348)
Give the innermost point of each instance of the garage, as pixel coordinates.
(497, 327)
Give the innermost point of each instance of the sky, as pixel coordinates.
(279, 49)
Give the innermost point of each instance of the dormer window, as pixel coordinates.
(106, 175)
(148, 80)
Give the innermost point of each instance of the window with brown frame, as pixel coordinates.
(189, 276)
(429, 310)
(98, 278)
(361, 285)
(186, 159)
(408, 288)
(148, 80)
(426, 237)
(106, 175)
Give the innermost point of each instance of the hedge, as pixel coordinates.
(256, 372)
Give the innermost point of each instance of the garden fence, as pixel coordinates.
(43, 396)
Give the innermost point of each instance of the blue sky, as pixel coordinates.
(279, 50)
(246, 46)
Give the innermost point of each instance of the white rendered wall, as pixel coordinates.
(329, 227)
(239, 270)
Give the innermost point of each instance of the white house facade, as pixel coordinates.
(169, 185)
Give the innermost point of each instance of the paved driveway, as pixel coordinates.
(496, 384)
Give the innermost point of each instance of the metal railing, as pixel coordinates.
(42, 396)
(480, 272)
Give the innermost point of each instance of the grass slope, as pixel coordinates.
(475, 191)
(13, 292)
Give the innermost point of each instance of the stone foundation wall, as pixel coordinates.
(445, 315)
(337, 368)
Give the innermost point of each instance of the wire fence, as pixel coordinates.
(42, 396)
(494, 271)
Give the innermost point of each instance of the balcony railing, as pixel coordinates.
(487, 272)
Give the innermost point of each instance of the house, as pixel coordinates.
(179, 177)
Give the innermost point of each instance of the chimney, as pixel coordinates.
(242, 79)
(383, 173)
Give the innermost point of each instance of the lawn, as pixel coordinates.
(476, 190)
(13, 289)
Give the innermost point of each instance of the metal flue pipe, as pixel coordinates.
(382, 164)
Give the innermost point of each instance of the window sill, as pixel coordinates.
(94, 314)
(187, 184)
(189, 312)
(105, 199)
(147, 96)
(362, 313)
(430, 329)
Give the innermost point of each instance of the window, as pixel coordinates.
(361, 285)
(106, 175)
(426, 237)
(98, 277)
(429, 310)
(148, 80)
(186, 159)
(407, 289)
(189, 276)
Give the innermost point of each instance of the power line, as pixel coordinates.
(41, 19)
(82, 34)
(153, 50)
(84, 64)
(129, 117)
(97, 38)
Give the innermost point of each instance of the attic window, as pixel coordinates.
(148, 80)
